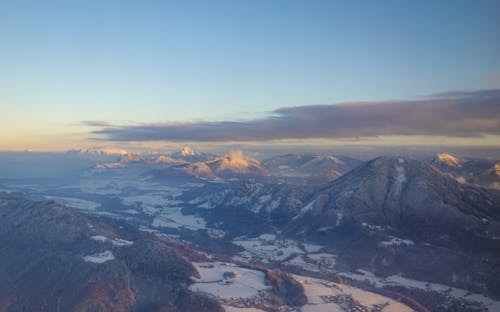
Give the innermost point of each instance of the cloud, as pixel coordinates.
(454, 114)
(95, 123)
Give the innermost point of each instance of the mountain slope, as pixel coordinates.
(311, 166)
(190, 155)
(56, 260)
(404, 194)
(473, 171)
(233, 165)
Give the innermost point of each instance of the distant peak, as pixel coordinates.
(187, 151)
(236, 161)
(497, 169)
(449, 160)
(100, 151)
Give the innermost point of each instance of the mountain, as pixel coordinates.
(448, 160)
(404, 194)
(162, 159)
(233, 165)
(189, 155)
(198, 170)
(54, 259)
(481, 172)
(390, 216)
(131, 158)
(99, 154)
(489, 178)
(249, 206)
(395, 215)
(311, 166)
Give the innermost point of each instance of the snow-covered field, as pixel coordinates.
(173, 218)
(267, 248)
(398, 280)
(325, 296)
(228, 281)
(76, 203)
(117, 184)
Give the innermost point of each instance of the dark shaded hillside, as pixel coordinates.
(406, 195)
(56, 260)
(396, 215)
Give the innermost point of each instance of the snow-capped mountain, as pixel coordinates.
(404, 194)
(163, 159)
(236, 163)
(474, 171)
(489, 178)
(232, 165)
(188, 154)
(311, 166)
(448, 160)
(99, 154)
(198, 170)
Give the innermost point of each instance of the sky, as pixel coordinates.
(153, 73)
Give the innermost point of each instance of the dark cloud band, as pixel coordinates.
(455, 114)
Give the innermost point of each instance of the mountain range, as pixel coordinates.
(433, 219)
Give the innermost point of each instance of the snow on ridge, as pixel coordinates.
(99, 257)
(305, 209)
(450, 160)
(116, 241)
(396, 241)
(400, 180)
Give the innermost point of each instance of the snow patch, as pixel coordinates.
(396, 241)
(116, 241)
(100, 257)
(449, 160)
(305, 209)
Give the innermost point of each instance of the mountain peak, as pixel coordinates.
(187, 151)
(190, 155)
(236, 162)
(449, 160)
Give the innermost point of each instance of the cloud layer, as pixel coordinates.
(454, 114)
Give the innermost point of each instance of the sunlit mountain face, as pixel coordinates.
(250, 156)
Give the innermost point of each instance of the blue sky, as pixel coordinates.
(62, 62)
